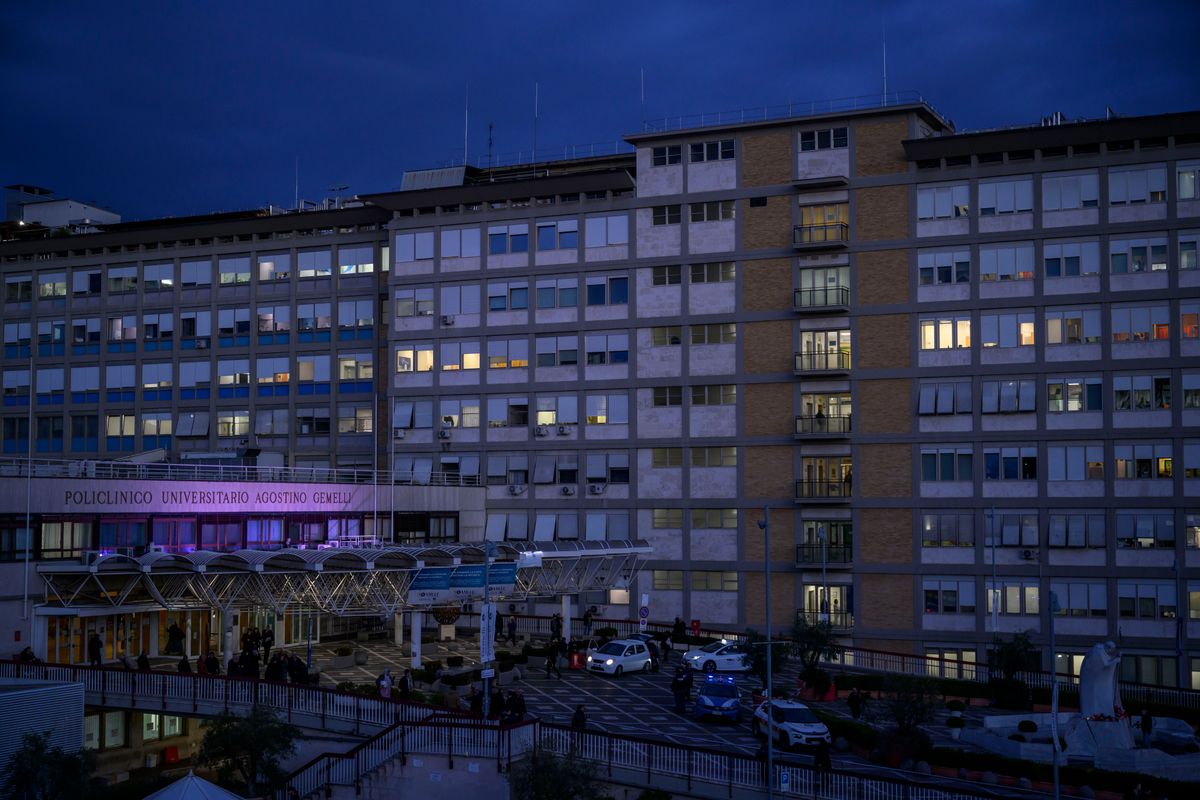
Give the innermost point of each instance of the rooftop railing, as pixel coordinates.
(809, 108)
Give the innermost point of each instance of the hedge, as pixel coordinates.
(858, 733)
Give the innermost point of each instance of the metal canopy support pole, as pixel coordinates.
(398, 627)
(226, 635)
(566, 616)
(416, 638)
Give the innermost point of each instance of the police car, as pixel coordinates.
(718, 696)
(722, 656)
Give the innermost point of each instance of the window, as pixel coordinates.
(233, 270)
(943, 202)
(192, 423)
(508, 353)
(313, 321)
(1070, 190)
(825, 139)
(606, 525)
(52, 336)
(710, 151)
(606, 231)
(1072, 326)
(717, 333)
(666, 518)
(1075, 462)
(560, 235)
(1145, 528)
(710, 581)
(456, 299)
(414, 358)
(1007, 330)
(233, 326)
(1008, 196)
(714, 395)
(666, 336)
(83, 331)
(1140, 323)
(355, 366)
(508, 239)
(665, 457)
(274, 267)
(419, 302)
(1010, 463)
(272, 422)
(359, 259)
(713, 272)
(233, 375)
(504, 412)
(84, 283)
(1138, 255)
(667, 579)
(273, 370)
(158, 327)
(1009, 397)
(562, 409)
(673, 395)
(1006, 262)
(557, 351)
(65, 539)
(1186, 176)
(947, 529)
(273, 319)
(53, 286)
(312, 369)
(123, 329)
(1141, 392)
(1191, 459)
(122, 280)
(460, 413)
(1191, 390)
(50, 434)
(1080, 599)
(18, 289)
(945, 397)
(412, 414)
(312, 421)
(612, 348)
(668, 275)
(714, 518)
(945, 333)
(195, 329)
(1071, 259)
(510, 469)
(665, 215)
(711, 211)
(356, 314)
(1146, 600)
(354, 419)
(606, 409)
(460, 355)
(1012, 597)
(666, 155)
(827, 223)
(1143, 461)
(938, 267)
(607, 467)
(948, 595)
(1074, 394)
(946, 464)
(16, 387)
(17, 338)
(508, 296)
(157, 376)
(314, 263)
(714, 457)
(1189, 321)
(1076, 529)
(456, 243)
(1137, 185)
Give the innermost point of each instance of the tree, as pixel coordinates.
(546, 776)
(37, 771)
(1015, 655)
(815, 642)
(909, 701)
(250, 746)
(756, 657)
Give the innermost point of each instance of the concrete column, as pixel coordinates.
(398, 628)
(152, 645)
(566, 616)
(187, 634)
(416, 639)
(226, 637)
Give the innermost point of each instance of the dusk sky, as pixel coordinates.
(158, 109)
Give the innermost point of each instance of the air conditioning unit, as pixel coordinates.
(444, 434)
(201, 344)
(516, 489)
(448, 320)
(562, 430)
(568, 490)
(596, 488)
(399, 433)
(1029, 555)
(540, 430)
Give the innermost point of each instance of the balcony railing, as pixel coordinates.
(834, 554)
(826, 234)
(818, 426)
(822, 298)
(823, 361)
(823, 490)
(838, 619)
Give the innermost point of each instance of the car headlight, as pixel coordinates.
(589, 659)
(608, 662)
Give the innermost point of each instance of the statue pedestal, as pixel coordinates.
(446, 633)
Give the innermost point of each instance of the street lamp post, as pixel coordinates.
(825, 604)
(765, 525)
(486, 634)
(1054, 689)
(994, 594)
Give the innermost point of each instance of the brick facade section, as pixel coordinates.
(878, 149)
(885, 536)
(767, 227)
(767, 346)
(884, 406)
(783, 535)
(768, 471)
(767, 159)
(881, 214)
(886, 602)
(766, 284)
(882, 277)
(783, 598)
(903, 645)
(883, 470)
(767, 409)
(881, 342)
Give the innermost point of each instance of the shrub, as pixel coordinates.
(817, 679)
(956, 705)
(606, 633)
(506, 666)
(458, 679)
(857, 733)
(424, 675)
(1008, 693)
(454, 661)
(504, 655)
(343, 650)
(433, 664)
(956, 722)
(1027, 726)
(437, 699)
(523, 658)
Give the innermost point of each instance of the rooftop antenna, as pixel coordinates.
(533, 155)
(466, 120)
(643, 70)
(490, 127)
(884, 26)
(296, 202)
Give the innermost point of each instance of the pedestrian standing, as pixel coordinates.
(95, 650)
(498, 626)
(579, 720)
(185, 666)
(556, 626)
(406, 685)
(587, 622)
(854, 701)
(201, 665)
(384, 682)
(677, 688)
(512, 629)
(678, 630)
(821, 761)
(668, 646)
(143, 661)
(268, 641)
(1147, 725)
(687, 683)
(212, 663)
(552, 658)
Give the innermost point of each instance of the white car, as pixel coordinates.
(619, 656)
(792, 724)
(719, 656)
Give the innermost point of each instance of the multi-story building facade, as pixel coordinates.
(955, 366)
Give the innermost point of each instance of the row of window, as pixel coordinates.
(1064, 528)
(1136, 392)
(1064, 326)
(1136, 599)
(1078, 461)
(466, 242)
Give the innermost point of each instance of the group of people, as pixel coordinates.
(508, 707)
(385, 683)
(681, 687)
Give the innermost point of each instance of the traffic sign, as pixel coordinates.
(487, 673)
(644, 612)
(643, 625)
(785, 781)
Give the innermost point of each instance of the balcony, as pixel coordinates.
(837, 491)
(822, 362)
(838, 620)
(825, 236)
(835, 555)
(822, 427)
(824, 300)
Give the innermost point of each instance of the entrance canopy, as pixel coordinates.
(340, 581)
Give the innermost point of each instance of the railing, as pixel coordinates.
(832, 554)
(782, 111)
(823, 490)
(823, 361)
(836, 618)
(48, 468)
(824, 297)
(544, 154)
(819, 425)
(825, 233)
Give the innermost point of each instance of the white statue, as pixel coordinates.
(1099, 692)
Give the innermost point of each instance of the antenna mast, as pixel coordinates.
(466, 122)
(884, 26)
(490, 127)
(533, 155)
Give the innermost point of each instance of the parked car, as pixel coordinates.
(1172, 735)
(792, 724)
(719, 656)
(718, 696)
(619, 656)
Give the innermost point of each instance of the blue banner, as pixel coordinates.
(431, 585)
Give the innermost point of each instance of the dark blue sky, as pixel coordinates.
(178, 108)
